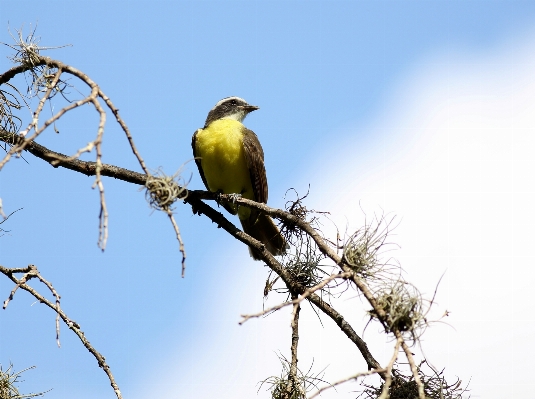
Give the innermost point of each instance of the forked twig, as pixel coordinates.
(32, 272)
(297, 300)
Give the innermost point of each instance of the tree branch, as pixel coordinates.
(292, 377)
(195, 198)
(87, 168)
(31, 271)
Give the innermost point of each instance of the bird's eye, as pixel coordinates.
(233, 102)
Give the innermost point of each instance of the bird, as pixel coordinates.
(230, 160)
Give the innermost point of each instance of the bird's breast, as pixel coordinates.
(220, 147)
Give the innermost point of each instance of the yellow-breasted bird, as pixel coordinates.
(231, 161)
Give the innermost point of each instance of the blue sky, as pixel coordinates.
(419, 108)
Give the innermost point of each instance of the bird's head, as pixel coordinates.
(235, 108)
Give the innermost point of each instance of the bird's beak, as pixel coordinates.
(250, 108)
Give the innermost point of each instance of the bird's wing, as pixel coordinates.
(254, 156)
(198, 159)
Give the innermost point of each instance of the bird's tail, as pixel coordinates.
(265, 231)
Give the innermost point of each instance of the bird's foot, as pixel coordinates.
(234, 198)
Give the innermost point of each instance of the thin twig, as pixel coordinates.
(385, 394)
(353, 377)
(297, 300)
(33, 124)
(323, 246)
(32, 271)
(123, 125)
(412, 363)
(95, 90)
(179, 238)
(292, 377)
(103, 215)
(58, 297)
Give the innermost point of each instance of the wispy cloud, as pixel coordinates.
(453, 156)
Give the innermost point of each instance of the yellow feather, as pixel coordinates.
(220, 147)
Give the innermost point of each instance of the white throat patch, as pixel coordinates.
(237, 116)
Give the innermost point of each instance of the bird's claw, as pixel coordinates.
(234, 198)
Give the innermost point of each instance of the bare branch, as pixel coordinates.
(123, 125)
(292, 375)
(385, 394)
(30, 272)
(87, 168)
(33, 124)
(412, 363)
(103, 215)
(38, 60)
(180, 242)
(297, 300)
(162, 192)
(353, 377)
(359, 282)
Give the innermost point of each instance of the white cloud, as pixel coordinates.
(453, 156)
